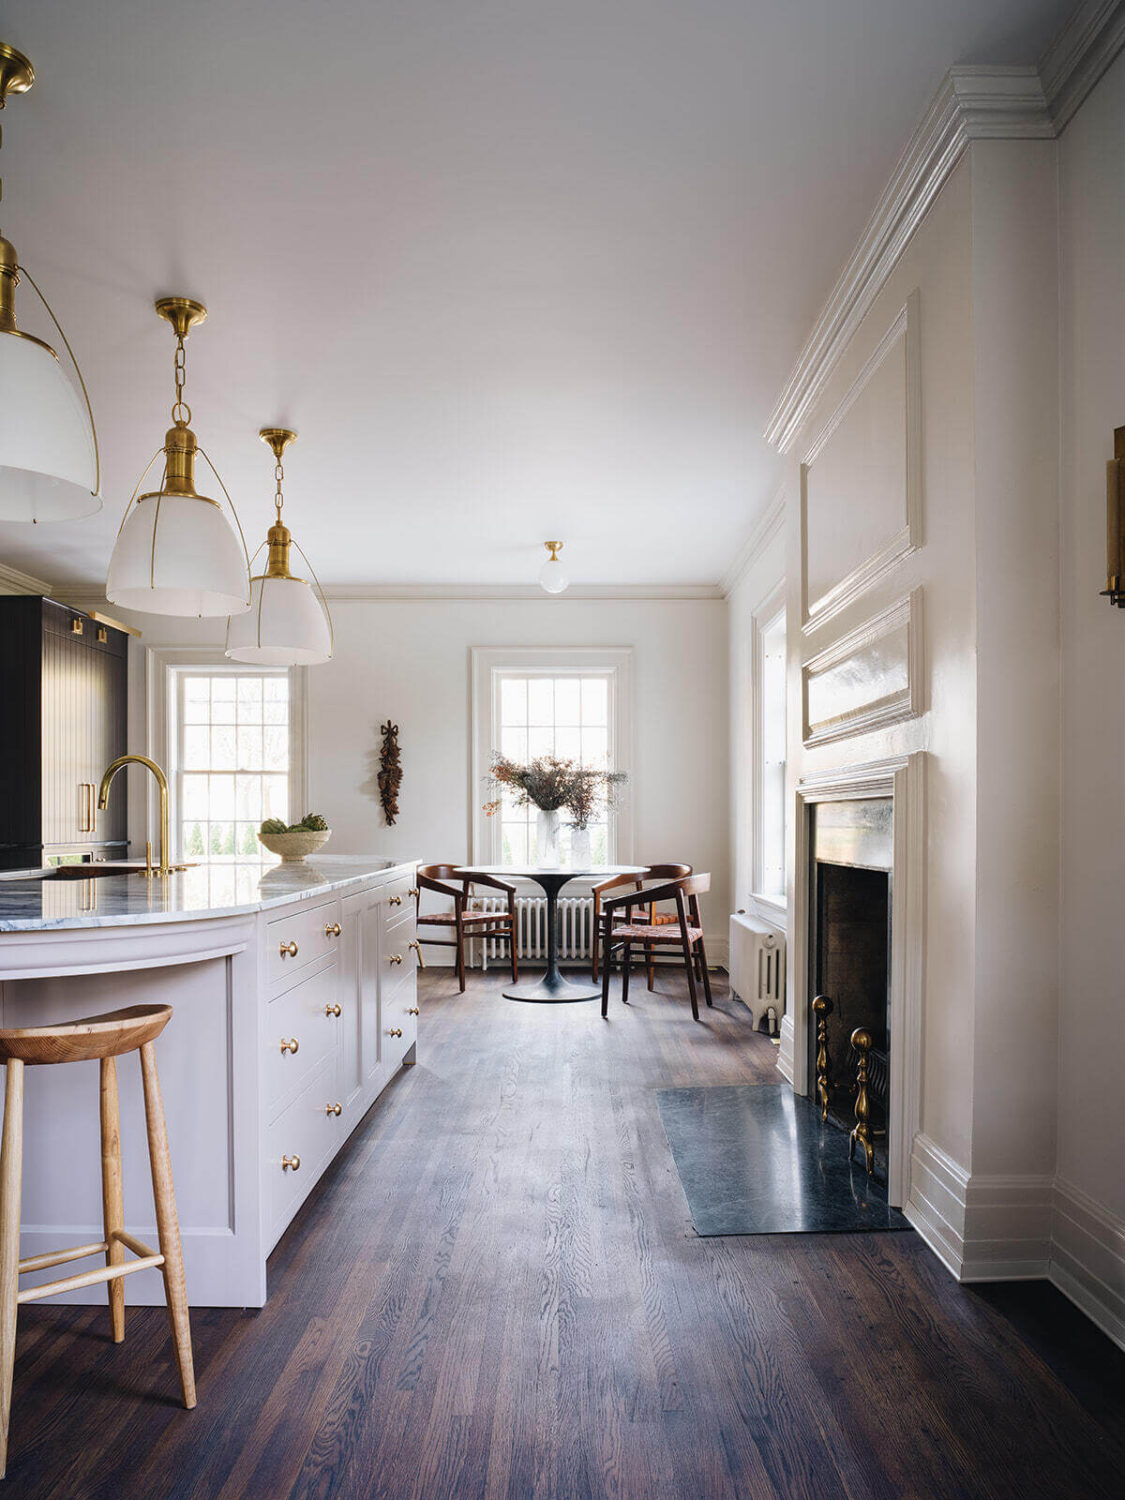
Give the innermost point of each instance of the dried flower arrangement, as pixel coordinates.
(390, 771)
(550, 784)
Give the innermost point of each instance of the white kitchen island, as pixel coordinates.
(294, 1004)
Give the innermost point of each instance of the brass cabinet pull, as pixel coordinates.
(395, 958)
(331, 929)
(293, 1162)
(77, 626)
(394, 900)
(87, 825)
(102, 636)
(395, 1031)
(332, 1010)
(290, 1044)
(412, 894)
(333, 1109)
(289, 949)
(412, 1010)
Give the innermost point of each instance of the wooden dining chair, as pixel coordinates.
(466, 924)
(635, 931)
(655, 918)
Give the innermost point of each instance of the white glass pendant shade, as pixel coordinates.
(48, 463)
(552, 579)
(178, 555)
(285, 626)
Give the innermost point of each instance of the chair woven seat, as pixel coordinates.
(660, 933)
(448, 919)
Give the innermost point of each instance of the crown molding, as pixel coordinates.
(755, 544)
(1078, 57)
(991, 103)
(82, 595)
(12, 581)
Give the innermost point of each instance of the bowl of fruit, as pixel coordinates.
(294, 841)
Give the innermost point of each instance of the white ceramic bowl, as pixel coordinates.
(293, 847)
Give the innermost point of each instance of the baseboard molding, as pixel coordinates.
(1088, 1258)
(935, 1205)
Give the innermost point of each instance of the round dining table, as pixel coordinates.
(552, 987)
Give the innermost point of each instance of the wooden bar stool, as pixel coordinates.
(106, 1038)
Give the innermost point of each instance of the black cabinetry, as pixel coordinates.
(63, 718)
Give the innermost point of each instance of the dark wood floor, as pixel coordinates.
(497, 1292)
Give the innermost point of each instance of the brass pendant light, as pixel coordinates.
(176, 553)
(287, 624)
(49, 469)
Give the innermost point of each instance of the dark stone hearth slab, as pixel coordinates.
(755, 1159)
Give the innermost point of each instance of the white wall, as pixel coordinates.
(1091, 1036)
(409, 660)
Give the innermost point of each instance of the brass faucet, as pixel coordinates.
(162, 784)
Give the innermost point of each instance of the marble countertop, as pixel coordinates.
(29, 903)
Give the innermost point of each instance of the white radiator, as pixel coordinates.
(576, 927)
(757, 965)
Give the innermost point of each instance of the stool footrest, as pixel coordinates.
(146, 1258)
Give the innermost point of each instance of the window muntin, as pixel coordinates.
(565, 714)
(232, 760)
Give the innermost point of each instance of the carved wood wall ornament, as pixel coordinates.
(390, 771)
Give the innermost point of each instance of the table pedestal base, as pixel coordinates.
(552, 989)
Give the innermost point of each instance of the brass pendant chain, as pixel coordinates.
(278, 499)
(181, 412)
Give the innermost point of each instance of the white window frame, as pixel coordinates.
(772, 906)
(488, 665)
(163, 667)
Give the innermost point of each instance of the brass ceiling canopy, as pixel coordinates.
(16, 73)
(181, 312)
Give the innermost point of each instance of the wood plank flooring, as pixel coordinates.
(497, 1292)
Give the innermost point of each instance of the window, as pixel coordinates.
(571, 703)
(771, 710)
(567, 717)
(231, 759)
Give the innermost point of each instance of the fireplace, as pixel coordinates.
(851, 848)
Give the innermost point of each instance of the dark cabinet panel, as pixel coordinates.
(63, 718)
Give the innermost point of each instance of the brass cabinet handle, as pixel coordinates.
(290, 1045)
(289, 949)
(395, 1031)
(293, 1162)
(412, 894)
(394, 900)
(395, 958)
(87, 823)
(77, 626)
(331, 929)
(333, 1109)
(412, 1010)
(332, 1010)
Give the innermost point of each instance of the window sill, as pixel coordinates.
(774, 909)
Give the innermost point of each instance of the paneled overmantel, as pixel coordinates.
(900, 778)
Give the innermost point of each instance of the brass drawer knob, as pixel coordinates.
(395, 958)
(291, 1163)
(412, 1010)
(289, 950)
(395, 1031)
(333, 1109)
(394, 900)
(332, 1010)
(331, 929)
(290, 1044)
(412, 895)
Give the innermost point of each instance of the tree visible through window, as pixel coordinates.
(567, 716)
(232, 760)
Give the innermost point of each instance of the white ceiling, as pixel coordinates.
(513, 269)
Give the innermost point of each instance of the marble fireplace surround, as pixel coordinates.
(901, 779)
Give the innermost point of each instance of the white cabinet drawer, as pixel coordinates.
(305, 1015)
(298, 1144)
(398, 1015)
(305, 934)
(396, 903)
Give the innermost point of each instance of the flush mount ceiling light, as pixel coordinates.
(552, 579)
(287, 625)
(176, 553)
(48, 446)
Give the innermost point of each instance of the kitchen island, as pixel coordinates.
(294, 1004)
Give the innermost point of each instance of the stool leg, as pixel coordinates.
(11, 1175)
(113, 1207)
(168, 1227)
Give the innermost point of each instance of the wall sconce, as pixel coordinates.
(1114, 589)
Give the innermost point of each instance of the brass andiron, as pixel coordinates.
(822, 1009)
(862, 1041)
